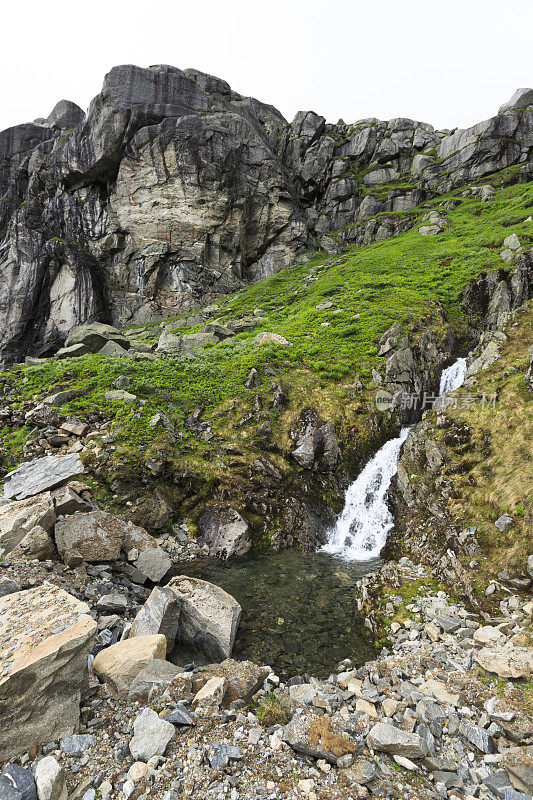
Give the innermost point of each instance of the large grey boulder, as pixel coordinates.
(50, 636)
(209, 617)
(34, 477)
(98, 536)
(160, 614)
(226, 533)
(20, 517)
(385, 738)
(95, 335)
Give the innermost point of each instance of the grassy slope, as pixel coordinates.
(404, 278)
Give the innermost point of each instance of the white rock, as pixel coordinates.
(50, 780)
(151, 735)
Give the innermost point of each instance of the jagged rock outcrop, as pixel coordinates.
(173, 189)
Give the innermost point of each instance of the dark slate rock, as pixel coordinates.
(17, 783)
(179, 716)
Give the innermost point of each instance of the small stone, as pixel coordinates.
(76, 745)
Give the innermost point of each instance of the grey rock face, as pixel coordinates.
(158, 674)
(174, 189)
(226, 533)
(522, 98)
(33, 477)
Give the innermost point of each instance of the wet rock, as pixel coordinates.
(154, 563)
(209, 616)
(226, 533)
(33, 477)
(151, 735)
(50, 635)
(120, 664)
(159, 615)
(385, 738)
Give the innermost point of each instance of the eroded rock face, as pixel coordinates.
(46, 636)
(226, 533)
(173, 189)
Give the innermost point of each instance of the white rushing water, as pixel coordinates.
(361, 530)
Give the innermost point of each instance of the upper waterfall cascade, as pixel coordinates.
(364, 524)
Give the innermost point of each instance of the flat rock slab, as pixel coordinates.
(386, 738)
(46, 636)
(209, 616)
(507, 663)
(34, 477)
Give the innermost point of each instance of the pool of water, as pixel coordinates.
(299, 611)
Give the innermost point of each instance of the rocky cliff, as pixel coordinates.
(173, 190)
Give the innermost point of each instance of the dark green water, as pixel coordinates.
(299, 610)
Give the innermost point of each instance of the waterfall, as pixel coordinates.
(362, 528)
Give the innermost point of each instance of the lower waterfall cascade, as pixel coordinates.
(362, 528)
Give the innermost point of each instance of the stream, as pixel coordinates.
(300, 609)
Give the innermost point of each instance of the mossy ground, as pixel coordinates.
(410, 278)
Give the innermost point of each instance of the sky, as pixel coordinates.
(451, 63)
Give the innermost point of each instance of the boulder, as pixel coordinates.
(487, 634)
(225, 533)
(98, 536)
(516, 662)
(169, 343)
(93, 536)
(95, 335)
(33, 477)
(385, 738)
(46, 636)
(154, 562)
(114, 350)
(209, 617)
(158, 674)
(18, 518)
(243, 678)
(50, 780)
(43, 416)
(211, 694)
(120, 396)
(37, 544)
(67, 501)
(17, 783)
(317, 736)
(271, 338)
(151, 735)
(159, 615)
(73, 351)
(120, 664)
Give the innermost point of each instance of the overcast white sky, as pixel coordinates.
(451, 63)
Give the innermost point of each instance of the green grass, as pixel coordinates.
(410, 278)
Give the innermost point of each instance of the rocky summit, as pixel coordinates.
(224, 336)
